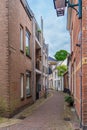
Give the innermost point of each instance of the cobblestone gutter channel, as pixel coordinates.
(71, 117)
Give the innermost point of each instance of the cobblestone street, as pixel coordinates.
(48, 116)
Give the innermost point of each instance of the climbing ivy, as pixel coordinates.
(61, 69)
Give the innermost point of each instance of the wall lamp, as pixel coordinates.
(60, 5)
(71, 5)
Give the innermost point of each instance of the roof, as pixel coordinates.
(51, 59)
(27, 8)
(65, 73)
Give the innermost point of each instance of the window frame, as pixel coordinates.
(27, 35)
(21, 38)
(22, 86)
(28, 75)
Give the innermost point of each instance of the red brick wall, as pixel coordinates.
(84, 67)
(65, 77)
(19, 62)
(76, 56)
(4, 55)
(75, 60)
(13, 61)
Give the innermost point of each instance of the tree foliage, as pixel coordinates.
(61, 55)
(61, 69)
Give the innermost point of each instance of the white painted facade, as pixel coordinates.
(45, 66)
(56, 82)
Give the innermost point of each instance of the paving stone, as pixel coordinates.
(48, 116)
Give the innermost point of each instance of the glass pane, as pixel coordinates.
(22, 79)
(27, 86)
(21, 38)
(27, 43)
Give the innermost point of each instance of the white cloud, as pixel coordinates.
(55, 32)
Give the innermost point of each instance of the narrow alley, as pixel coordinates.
(48, 116)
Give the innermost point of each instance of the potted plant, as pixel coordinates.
(39, 30)
(69, 99)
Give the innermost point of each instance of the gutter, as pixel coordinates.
(27, 8)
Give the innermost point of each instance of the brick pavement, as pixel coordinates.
(49, 116)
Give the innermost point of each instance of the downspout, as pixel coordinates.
(80, 17)
(80, 45)
(33, 60)
(81, 77)
(9, 93)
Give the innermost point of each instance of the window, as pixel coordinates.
(21, 38)
(55, 75)
(27, 43)
(72, 39)
(59, 83)
(22, 85)
(55, 83)
(28, 91)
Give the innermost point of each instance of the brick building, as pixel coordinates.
(45, 67)
(19, 49)
(65, 80)
(40, 57)
(77, 27)
(15, 55)
(78, 61)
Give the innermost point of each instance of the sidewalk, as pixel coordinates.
(45, 114)
(6, 122)
(70, 115)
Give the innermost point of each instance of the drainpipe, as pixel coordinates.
(33, 60)
(81, 77)
(80, 17)
(80, 45)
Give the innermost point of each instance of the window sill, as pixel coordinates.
(28, 56)
(22, 51)
(22, 99)
(28, 96)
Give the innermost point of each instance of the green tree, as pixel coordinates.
(61, 69)
(61, 55)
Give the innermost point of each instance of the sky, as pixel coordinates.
(55, 32)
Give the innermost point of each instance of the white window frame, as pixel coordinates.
(22, 85)
(28, 84)
(21, 38)
(28, 41)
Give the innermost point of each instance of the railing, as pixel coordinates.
(38, 35)
(27, 8)
(45, 69)
(38, 32)
(45, 47)
(38, 65)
